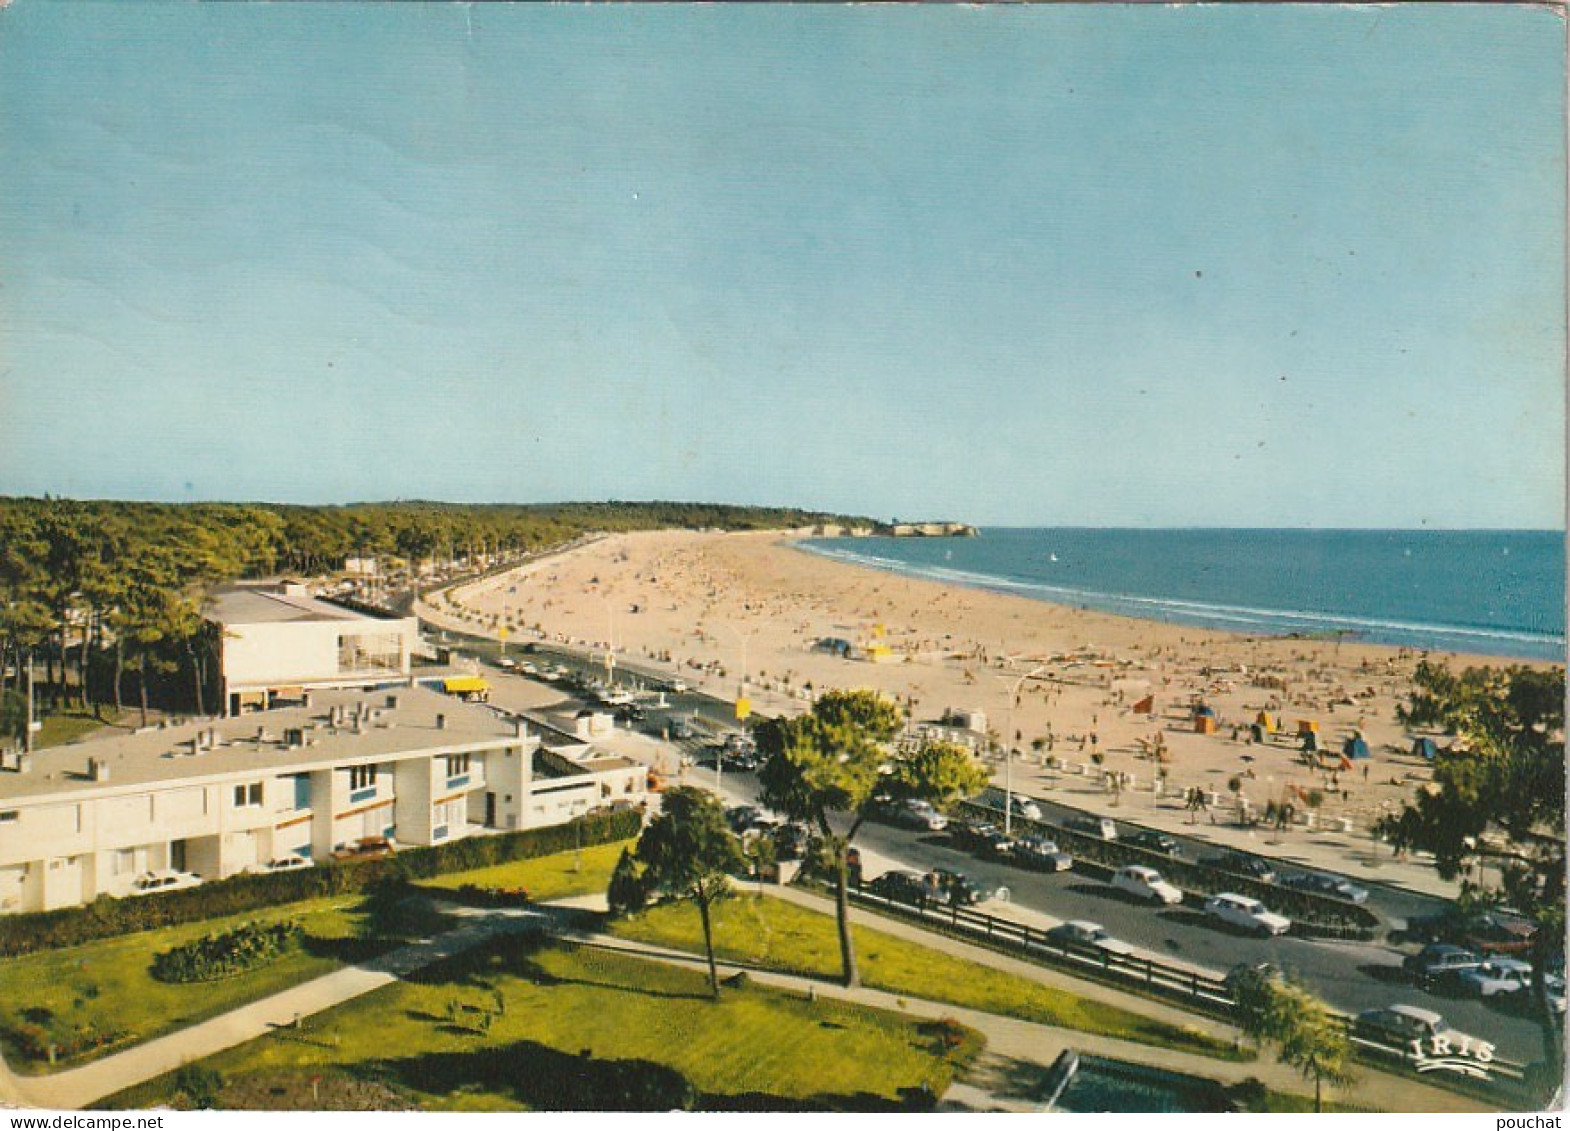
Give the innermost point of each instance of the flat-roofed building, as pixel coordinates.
(219, 796)
(276, 640)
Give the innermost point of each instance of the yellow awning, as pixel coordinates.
(464, 685)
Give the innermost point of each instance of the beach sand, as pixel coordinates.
(694, 604)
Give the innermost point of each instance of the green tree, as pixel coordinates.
(689, 852)
(1304, 1032)
(836, 763)
(1497, 799)
(627, 893)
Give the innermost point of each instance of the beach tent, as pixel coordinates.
(1146, 706)
(1355, 748)
(1307, 726)
(1310, 741)
(1425, 748)
(1266, 721)
(1257, 731)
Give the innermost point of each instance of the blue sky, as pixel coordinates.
(1246, 266)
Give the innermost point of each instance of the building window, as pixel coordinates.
(457, 769)
(124, 862)
(8, 816)
(362, 777)
(248, 796)
(370, 652)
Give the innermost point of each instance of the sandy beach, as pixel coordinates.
(708, 606)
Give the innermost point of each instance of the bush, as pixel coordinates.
(200, 1086)
(247, 947)
(106, 917)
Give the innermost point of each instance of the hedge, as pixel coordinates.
(106, 916)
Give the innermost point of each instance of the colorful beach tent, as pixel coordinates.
(1425, 748)
(1310, 741)
(1257, 731)
(1355, 748)
(1146, 706)
(1266, 720)
(1307, 726)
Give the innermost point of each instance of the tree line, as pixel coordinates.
(101, 592)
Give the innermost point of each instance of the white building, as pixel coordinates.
(218, 796)
(276, 641)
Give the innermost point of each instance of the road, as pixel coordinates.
(1350, 976)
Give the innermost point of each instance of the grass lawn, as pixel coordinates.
(106, 986)
(545, 877)
(498, 1030)
(71, 724)
(776, 935)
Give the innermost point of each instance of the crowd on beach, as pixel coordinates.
(1091, 705)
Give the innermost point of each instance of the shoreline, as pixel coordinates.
(1359, 628)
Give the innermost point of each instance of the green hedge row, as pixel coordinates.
(211, 957)
(106, 917)
(1311, 913)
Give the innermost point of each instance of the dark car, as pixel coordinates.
(954, 888)
(1499, 932)
(743, 817)
(983, 839)
(1041, 853)
(1438, 962)
(1241, 865)
(1155, 842)
(1332, 886)
(901, 887)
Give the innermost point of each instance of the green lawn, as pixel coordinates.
(105, 987)
(71, 724)
(776, 935)
(545, 877)
(489, 1031)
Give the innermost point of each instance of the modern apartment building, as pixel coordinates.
(277, 641)
(218, 796)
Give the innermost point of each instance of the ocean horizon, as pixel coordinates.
(1492, 593)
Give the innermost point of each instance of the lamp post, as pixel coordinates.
(1008, 750)
(741, 692)
(610, 639)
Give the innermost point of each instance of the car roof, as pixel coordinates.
(1416, 1014)
(1507, 964)
(1084, 925)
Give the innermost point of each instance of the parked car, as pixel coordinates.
(681, 726)
(1155, 842)
(1242, 865)
(1333, 886)
(290, 863)
(915, 813)
(956, 889)
(1038, 852)
(1496, 977)
(982, 838)
(366, 848)
(1145, 883)
(1402, 1024)
(1246, 914)
(1101, 827)
(506, 663)
(1087, 934)
(1024, 807)
(901, 887)
(1439, 962)
(149, 883)
(740, 818)
(1499, 932)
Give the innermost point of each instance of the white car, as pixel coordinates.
(167, 880)
(1025, 807)
(507, 663)
(290, 863)
(919, 814)
(1246, 914)
(1145, 883)
(1496, 976)
(1085, 933)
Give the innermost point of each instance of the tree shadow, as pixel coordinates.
(547, 1079)
(1386, 974)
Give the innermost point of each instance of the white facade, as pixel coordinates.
(277, 641)
(220, 796)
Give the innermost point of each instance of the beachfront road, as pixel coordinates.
(1350, 976)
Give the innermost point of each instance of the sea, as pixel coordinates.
(1488, 593)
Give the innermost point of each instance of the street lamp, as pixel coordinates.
(610, 639)
(1008, 750)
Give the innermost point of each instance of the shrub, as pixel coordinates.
(247, 947)
(200, 1086)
